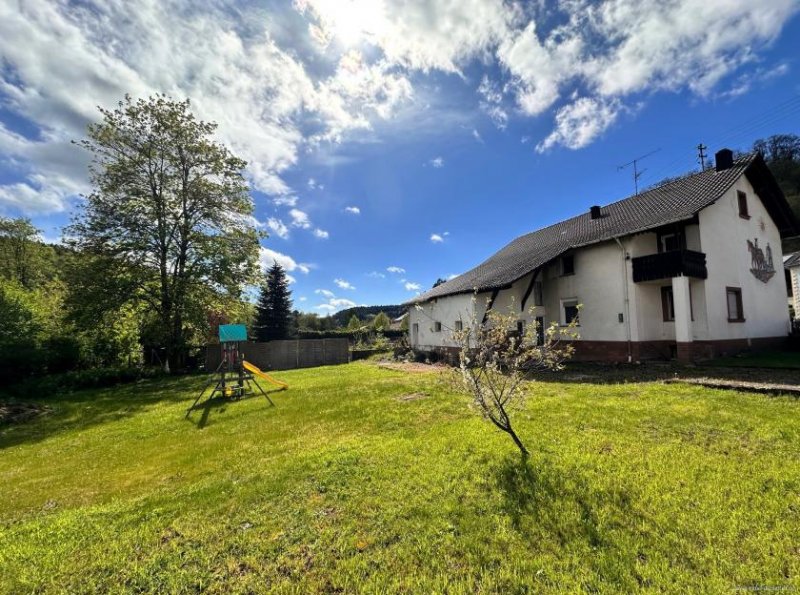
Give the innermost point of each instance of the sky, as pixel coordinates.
(393, 143)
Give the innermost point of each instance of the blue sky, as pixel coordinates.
(393, 143)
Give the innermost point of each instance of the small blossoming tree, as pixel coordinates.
(495, 359)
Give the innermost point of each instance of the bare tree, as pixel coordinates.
(498, 355)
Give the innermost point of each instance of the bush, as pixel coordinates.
(80, 379)
(347, 333)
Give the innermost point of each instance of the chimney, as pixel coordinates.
(595, 212)
(723, 159)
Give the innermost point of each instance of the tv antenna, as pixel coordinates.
(637, 173)
(701, 156)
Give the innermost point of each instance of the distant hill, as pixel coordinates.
(366, 312)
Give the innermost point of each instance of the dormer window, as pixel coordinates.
(741, 198)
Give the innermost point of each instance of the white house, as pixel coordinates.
(791, 264)
(685, 270)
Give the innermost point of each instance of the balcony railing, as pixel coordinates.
(666, 265)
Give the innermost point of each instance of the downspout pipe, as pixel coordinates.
(626, 297)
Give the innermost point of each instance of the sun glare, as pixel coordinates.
(351, 22)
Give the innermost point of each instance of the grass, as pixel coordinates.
(344, 486)
(764, 359)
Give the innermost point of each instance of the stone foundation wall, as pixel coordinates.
(617, 351)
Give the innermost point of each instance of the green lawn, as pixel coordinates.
(345, 487)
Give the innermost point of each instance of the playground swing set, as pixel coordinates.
(234, 377)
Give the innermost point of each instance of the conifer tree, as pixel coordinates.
(274, 309)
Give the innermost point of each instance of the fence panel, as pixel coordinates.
(288, 354)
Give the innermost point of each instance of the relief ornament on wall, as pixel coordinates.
(760, 264)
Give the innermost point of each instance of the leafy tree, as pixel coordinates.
(354, 323)
(168, 222)
(494, 361)
(22, 256)
(274, 319)
(381, 321)
(782, 154)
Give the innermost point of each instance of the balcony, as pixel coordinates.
(666, 265)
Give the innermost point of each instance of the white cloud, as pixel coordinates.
(342, 303)
(335, 304)
(278, 227)
(442, 35)
(326, 292)
(285, 201)
(436, 238)
(268, 256)
(437, 162)
(303, 298)
(25, 198)
(376, 275)
(321, 233)
(353, 210)
(343, 284)
(477, 135)
(396, 270)
(580, 122)
(412, 286)
(491, 102)
(291, 279)
(277, 93)
(299, 219)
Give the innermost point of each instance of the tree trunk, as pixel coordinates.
(518, 442)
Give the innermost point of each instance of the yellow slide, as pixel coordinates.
(257, 371)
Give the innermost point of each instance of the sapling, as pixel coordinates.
(495, 359)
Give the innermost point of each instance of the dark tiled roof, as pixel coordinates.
(674, 201)
(793, 260)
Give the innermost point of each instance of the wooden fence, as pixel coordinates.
(289, 354)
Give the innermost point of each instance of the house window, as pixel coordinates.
(538, 296)
(667, 304)
(741, 198)
(734, 299)
(459, 326)
(569, 311)
(437, 327)
(568, 265)
(540, 330)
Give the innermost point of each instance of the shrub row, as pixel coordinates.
(44, 386)
(348, 333)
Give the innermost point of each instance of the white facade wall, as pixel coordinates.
(422, 320)
(724, 235)
(794, 276)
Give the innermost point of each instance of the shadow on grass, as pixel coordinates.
(544, 500)
(87, 408)
(207, 404)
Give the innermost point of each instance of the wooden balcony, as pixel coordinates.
(666, 265)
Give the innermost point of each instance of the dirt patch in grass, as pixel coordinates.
(743, 385)
(17, 413)
(412, 397)
(411, 367)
